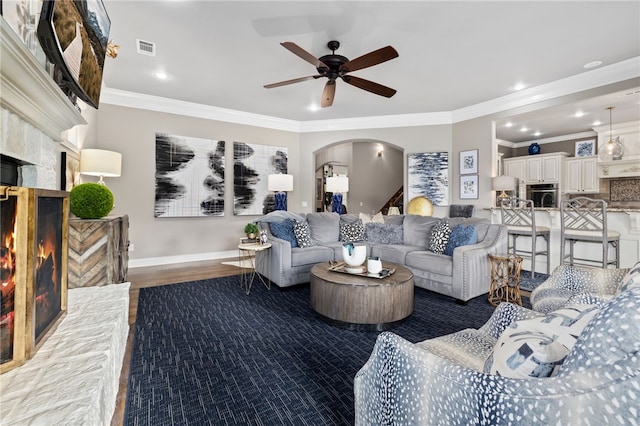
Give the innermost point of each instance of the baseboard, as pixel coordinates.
(154, 261)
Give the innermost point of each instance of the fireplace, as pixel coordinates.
(33, 269)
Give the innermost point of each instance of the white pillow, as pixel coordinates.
(367, 218)
(538, 347)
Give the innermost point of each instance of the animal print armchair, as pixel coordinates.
(445, 381)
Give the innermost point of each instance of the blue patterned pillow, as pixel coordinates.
(439, 237)
(461, 236)
(284, 231)
(538, 347)
(303, 233)
(384, 233)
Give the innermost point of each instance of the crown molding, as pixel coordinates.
(617, 72)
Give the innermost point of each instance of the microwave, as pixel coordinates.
(543, 195)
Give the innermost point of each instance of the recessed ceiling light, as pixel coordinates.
(523, 129)
(597, 123)
(578, 114)
(519, 86)
(537, 134)
(313, 107)
(508, 124)
(592, 64)
(160, 75)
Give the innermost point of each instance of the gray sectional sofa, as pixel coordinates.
(401, 239)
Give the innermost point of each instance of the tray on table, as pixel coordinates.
(341, 268)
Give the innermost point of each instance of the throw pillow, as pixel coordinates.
(538, 347)
(365, 218)
(610, 338)
(284, 231)
(377, 218)
(302, 233)
(350, 232)
(440, 237)
(384, 233)
(461, 236)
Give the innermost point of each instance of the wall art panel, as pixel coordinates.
(429, 177)
(252, 163)
(189, 176)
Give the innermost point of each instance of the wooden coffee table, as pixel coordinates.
(362, 303)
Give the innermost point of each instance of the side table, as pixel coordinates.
(255, 253)
(505, 278)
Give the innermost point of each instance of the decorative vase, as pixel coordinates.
(374, 265)
(534, 148)
(353, 255)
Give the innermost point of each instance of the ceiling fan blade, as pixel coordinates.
(369, 59)
(328, 93)
(299, 51)
(369, 86)
(295, 80)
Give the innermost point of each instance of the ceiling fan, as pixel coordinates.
(337, 66)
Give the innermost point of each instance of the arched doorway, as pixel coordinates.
(375, 170)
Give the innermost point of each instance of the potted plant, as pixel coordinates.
(251, 229)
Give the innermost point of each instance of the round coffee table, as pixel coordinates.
(362, 303)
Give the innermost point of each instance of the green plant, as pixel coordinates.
(251, 228)
(90, 201)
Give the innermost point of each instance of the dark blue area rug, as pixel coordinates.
(207, 353)
(529, 284)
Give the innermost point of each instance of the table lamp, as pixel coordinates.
(504, 184)
(280, 184)
(100, 162)
(338, 185)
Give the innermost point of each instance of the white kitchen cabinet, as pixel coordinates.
(582, 175)
(515, 167)
(546, 168)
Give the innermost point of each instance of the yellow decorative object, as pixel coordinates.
(420, 206)
(112, 49)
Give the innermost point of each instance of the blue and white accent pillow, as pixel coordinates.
(440, 237)
(538, 347)
(350, 232)
(302, 233)
(284, 231)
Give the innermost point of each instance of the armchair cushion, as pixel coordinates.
(538, 347)
(610, 337)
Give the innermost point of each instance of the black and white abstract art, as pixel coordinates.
(252, 163)
(189, 176)
(429, 177)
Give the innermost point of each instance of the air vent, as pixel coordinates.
(146, 47)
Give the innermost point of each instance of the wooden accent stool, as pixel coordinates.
(362, 303)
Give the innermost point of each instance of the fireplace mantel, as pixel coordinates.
(29, 92)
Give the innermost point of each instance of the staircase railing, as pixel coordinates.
(394, 201)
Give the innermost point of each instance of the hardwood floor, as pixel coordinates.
(153, 276)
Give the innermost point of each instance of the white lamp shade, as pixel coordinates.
(337, 184)
(280, 183)
(99, 162)
(504, 183)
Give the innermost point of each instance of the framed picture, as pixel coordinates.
(469, 187)
(428, 176)
(469, 162)
(586, 148)
(69, 171)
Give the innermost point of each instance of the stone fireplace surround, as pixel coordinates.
(34, 113)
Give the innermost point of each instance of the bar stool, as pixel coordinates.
(584, 219)
(520, 219)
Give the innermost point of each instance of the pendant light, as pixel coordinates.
(612, 150)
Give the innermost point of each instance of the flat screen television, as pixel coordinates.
(74, 36)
